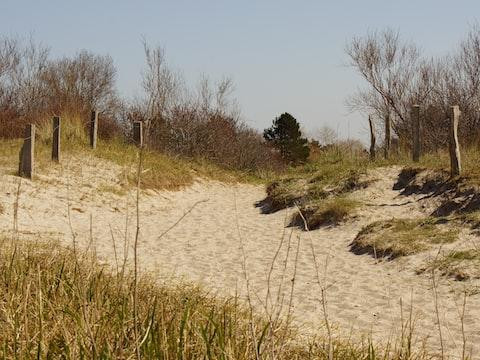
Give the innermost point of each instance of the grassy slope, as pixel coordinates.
(161, 171)
(319, 187)
(56, 305)
(331, 174)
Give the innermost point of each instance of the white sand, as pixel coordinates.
(364, 296)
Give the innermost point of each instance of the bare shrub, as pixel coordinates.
(203, 123)
(21, 88)
(33, 87)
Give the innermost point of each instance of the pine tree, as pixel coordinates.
(286, 136)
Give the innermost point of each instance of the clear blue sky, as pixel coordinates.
(283, 55)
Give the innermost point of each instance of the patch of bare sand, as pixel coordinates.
(213, 234)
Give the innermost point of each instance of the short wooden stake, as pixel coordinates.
(455, 164)
(56, 139)
(416, 129)
(372, 138)
(138, 133)
(27, 153)
(93, 129)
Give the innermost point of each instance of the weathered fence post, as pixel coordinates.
(93, 129)
(372, 138)
(387, 136)
(27, 153)
(138, 133)
(56, 139)
(455, 165)
(416, 128)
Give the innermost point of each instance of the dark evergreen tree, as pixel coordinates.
(285, 135)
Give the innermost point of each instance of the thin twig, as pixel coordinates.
(114, 248)
(181, 218)
(435, 298)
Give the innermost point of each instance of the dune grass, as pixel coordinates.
(55, 304)
(330, 211)
(167, 172)
(319, 187)
(440, 161)
(458, 264)
(402, 237)
(331, 174)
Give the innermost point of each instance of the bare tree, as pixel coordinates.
(392, 69)
(325, 135)
(9, 54)
(162, 88)
(22, 65)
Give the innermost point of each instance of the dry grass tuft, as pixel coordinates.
(330, 211)
(401, 237)
(458, 264)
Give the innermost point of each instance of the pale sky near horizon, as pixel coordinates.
(284, 56)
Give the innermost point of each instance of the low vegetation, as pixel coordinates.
(401, 237)
(161, 171)
(165, 172)
(319, 187)
(330, 211)
(458, 264)
(471, 219)
(54, 304)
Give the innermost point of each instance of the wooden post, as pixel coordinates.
(416, 129)
(27, 153)
(455, 165)
(387, 136)
(138, 133)
(93, 129)
(56, 139)
(372, 138)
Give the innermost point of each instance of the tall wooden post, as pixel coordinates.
(416, 130)
(138, 133)
(93, 129)
(455, 164)
(27, 153)
(387, 136)
(56, 139)
(372, 138)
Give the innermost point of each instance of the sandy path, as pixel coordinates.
(222, 229)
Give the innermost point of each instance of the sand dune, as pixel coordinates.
(212, 233)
